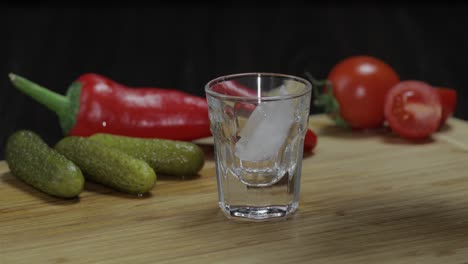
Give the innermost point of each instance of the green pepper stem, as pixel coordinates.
(54, 101)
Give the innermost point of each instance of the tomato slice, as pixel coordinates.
(413, 109)
(448, 100)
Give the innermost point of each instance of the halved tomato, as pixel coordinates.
(413, 109)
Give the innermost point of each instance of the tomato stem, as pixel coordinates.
(326, 99)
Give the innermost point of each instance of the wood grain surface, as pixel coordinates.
(366, 197)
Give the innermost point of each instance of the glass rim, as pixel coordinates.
(220, 79)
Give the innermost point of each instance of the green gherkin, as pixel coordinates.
(168, 157)
(37, 164)
(108, 166)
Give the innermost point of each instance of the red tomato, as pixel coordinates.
(412, 109)
(448, 100)
(360, 84)
(310, 141)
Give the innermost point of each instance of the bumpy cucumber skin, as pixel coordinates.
(169, 157)
(108, 166)
(36, 163)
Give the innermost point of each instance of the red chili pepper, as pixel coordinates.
(232, 87)
(95, 104)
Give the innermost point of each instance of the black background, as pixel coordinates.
(185, 45)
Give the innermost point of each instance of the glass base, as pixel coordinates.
(258, 213)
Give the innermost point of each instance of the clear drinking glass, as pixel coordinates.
(258, 122)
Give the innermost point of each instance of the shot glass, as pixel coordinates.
(258, 122)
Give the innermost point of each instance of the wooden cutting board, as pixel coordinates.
(366, 197)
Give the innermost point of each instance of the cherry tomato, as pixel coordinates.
(448, 100)
(360, 84)
(310, 141)
(413, 109)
